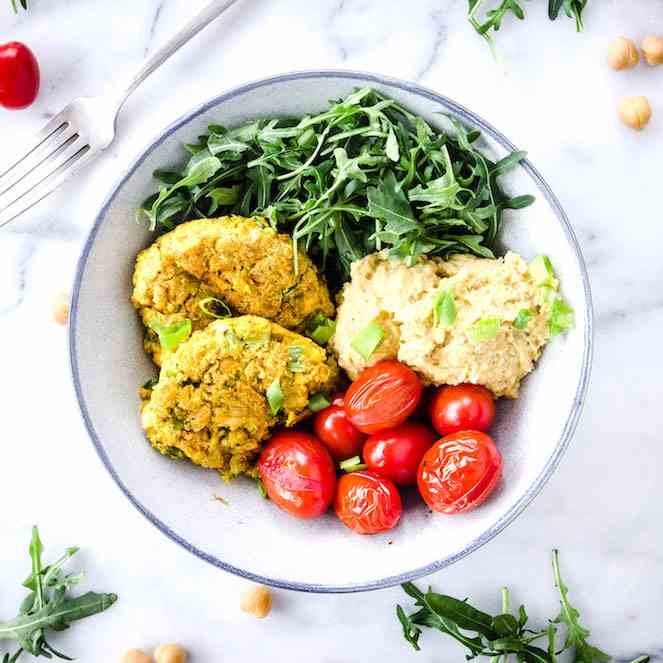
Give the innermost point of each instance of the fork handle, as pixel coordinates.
(214, 9)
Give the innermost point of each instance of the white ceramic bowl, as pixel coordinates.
(251, 537)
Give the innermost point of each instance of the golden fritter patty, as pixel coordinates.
(242, 262)
(211, 402)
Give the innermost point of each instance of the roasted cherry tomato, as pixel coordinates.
(459, 472)
(367, 502)
(19, 75)
(383, 396)
(461, 407)
(336, 432)
(298, 474)
(395, 453)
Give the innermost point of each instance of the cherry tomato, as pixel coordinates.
(395, 453)
(298, 474)
(367, 503)
(459, 472)
(19, 75)
(383, 396)
(336, 432)
(461, 407)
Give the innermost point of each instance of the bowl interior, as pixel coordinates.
(250, 535)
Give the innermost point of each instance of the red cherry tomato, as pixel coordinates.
(298, 474)
(461, 407)
(383, 396)
(395, 453)
(367, 503)
(19, 75)
(336, 432)
(459, 472)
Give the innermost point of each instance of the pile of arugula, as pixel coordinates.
(504, 635)
(48, 605)
(364, 175)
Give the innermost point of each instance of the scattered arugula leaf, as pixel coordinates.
(48, 605)
(24, 4)
(364, 175)
(492, 19)
(502, 635)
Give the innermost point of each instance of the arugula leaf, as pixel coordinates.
(501, 635)
(47, 606)
(576, 634)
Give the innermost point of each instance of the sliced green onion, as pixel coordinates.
(549, 294)
(542, 272)
(214, 307)
(318, 402)
(275, 396)
(353, 464)
(295, 365)
(321, 329)
(484, 330)
(444, 308)
(259, 340)
(171, 336)
(261, 488)
(523, 317)
(562, 317)
(368, 339)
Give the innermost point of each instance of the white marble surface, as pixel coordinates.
(553, 95)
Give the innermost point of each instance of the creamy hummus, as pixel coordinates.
(497, 331)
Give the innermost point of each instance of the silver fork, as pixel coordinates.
(80, 131)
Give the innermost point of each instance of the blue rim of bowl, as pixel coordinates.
(466, 116)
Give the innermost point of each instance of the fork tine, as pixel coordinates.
(48, 150)
(43, 181)
(50, 130)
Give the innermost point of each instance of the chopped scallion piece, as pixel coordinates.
(275, 396)
(295, 364)
(353, 464)
(321, 329)
(318, 402)
(484, 330)
(261, 487)
(368, 339)
(542, 272)
(523, 317)
(444, 308)
(214, 307)
(562, 317)
(170, 336)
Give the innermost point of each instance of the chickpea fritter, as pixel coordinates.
(243, 262)
(210, 404)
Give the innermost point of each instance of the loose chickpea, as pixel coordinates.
(634, 112)
(135, 656)
(169, 654)
(257, 601)
(61, 308)
(652, 49)
(623, 54)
